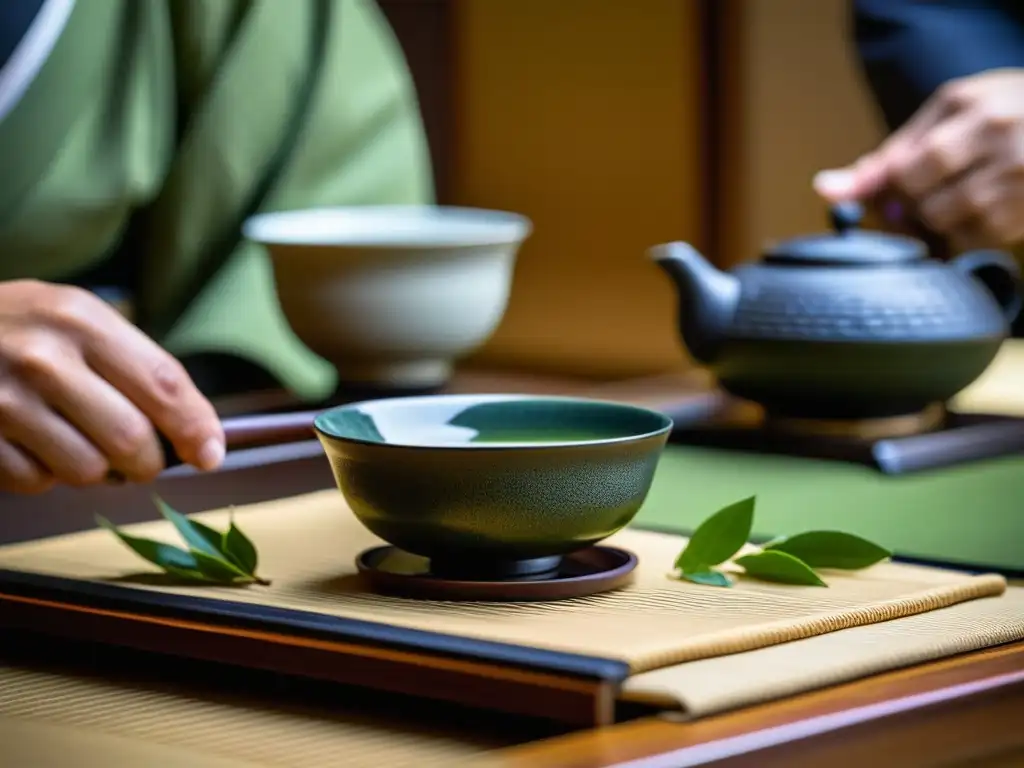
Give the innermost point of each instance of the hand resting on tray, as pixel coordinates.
(84, 392)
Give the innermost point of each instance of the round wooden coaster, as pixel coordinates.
(590, 571)
(929, 419)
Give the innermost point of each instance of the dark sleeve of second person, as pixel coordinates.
(909, 48)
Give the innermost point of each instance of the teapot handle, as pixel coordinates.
(999, 272)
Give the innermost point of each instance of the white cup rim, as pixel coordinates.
(388, 226)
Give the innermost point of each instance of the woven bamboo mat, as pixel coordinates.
(308, 544)
(56, 719)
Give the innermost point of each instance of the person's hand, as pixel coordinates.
(83, 392)
(959, 162)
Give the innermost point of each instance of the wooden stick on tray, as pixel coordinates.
(255, 430)
(248, 432)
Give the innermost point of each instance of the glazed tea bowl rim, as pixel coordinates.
(388, 227)
(324, 431)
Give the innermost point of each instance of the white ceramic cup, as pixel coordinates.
(392, 296)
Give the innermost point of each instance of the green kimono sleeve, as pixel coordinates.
(361, 141)
(155, 127)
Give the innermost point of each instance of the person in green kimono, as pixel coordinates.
(135, 138)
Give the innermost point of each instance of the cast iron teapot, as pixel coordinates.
(847, 324)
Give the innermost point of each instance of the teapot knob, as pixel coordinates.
(846, 216)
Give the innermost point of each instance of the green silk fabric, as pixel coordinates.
(169, 115)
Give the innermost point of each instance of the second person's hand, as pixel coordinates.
(959, 162)
(84, 392)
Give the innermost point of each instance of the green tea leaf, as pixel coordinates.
(781, 567)
(198, 536)
(718, 538)
(240, 549)
(831, 549)
(166, 556)
(219, 569)
(708, 578)
(228, 558)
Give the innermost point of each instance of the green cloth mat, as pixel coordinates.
(971, 514)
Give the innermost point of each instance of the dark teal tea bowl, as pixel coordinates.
(493, 486)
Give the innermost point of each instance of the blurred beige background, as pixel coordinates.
(802, 107)
(586, 116)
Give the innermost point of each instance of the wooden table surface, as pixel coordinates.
(963, 711)
(960, 711)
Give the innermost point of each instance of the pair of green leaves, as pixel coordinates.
(211, 557)
(788, 560)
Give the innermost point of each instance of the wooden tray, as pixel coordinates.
(959, 713)
(983, 688)
(958, 708)
(560, 686)
(565, 687)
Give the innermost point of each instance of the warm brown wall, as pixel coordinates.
(582, 115)
(798, 105)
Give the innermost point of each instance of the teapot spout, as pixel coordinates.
(707, 298)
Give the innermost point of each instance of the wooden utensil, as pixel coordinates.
(254, 430)
(247, 432)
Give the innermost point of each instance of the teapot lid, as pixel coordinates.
(847, 245)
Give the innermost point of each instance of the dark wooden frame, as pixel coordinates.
(574, 700)
(722, 116)
(712, 96)
(425, 29)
